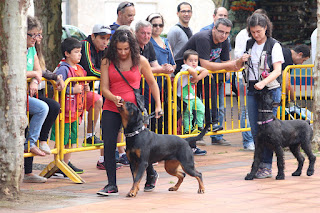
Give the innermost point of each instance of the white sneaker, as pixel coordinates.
(45, 148)
(250, 147)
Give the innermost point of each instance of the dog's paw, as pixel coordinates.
(173, 189)
(296, 173)
(131, 194)
(200, 191)
(280, 177)
(249, 177)
(310, 172)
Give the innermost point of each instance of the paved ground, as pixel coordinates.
(223, 169)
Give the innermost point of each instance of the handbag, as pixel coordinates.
(137, 93)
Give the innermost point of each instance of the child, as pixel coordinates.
(75, 94)
(190, 60)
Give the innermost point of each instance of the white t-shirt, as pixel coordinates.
(276, 54)
(240, 46)
(185, 67)
(314, 44)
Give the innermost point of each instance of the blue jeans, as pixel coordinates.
(253, 117)
(38, 110)
(247, 138)
(220, 112)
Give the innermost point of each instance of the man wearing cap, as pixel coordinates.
(125, 13)
(93, 48)
(92, 52)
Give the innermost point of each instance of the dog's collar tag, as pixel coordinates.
(131, 134)
(264, 122)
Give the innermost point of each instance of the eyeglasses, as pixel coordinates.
(129, 4)
(223, 33)
(34, 35)
(186, 11)
(157, 25)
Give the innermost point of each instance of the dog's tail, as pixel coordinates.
(192, 140)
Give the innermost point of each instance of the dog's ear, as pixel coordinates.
(274, 104)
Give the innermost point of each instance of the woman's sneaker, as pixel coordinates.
(124, 160)
(151, 182)
(264, 173)
(109, 190)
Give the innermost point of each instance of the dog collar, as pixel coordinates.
(129, 135)
(264, 122)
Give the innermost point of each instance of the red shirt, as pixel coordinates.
(120, 88)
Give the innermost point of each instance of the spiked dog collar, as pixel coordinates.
(131, 134)
(264, 122)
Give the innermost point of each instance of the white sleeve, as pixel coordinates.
(184, 67)
(314, 45)
(277, 55)
(240, 43)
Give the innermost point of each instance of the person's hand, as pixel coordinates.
(77, 88)
(194, 80)
(227, 76)
(118, 101)
(260, 85)
(245, 57)
(33, 87)
(60, 83)
(168, 68)
(38, 77)
(87, 87)
(158, 112)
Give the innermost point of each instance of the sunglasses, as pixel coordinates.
(129, 4)
(34, 35)
(157, 25)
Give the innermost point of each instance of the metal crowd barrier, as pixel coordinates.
(297, 79)
(56, 98)
(231, 110)
(301, 78)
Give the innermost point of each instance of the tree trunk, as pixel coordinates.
(316, 101)
(49, 14)
(13, 118)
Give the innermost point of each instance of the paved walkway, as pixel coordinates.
(223, 169)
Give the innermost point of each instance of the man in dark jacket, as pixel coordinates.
(92, 52)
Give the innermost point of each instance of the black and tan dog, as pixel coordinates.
(275, 134)
(144, 147)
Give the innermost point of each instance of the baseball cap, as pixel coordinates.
(101, 29)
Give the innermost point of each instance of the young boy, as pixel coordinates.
(75, 94)
(190, 60)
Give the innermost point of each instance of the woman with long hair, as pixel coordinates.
(122, 54)
(263, 58)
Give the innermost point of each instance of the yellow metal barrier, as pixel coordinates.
(62, 148)
(56, 98)
(303, 82)
(231, 128)
(164, 83)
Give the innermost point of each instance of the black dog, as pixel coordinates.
(276, 134)
(144, 147)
